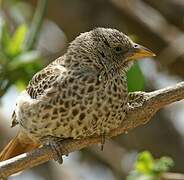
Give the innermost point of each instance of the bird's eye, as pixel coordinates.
(118, 49)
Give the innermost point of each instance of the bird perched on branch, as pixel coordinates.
(81, 94)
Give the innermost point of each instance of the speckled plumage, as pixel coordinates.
(83, 93)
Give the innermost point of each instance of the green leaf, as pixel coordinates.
(5, 37)
(3, 58)
(146, 168)
(162, 165)
(24, 58)
(21, 85)
(1, 27)
(136, 81)
(144, 163)
(15, 46)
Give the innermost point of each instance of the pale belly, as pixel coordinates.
(75, 116)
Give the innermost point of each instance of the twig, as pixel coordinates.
(143, 108)
(36, 24)
(172, 176)
(168, 8)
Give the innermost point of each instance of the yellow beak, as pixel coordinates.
(139, 52)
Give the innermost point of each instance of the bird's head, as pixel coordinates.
(106, 49)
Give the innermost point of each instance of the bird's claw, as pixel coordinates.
(56, 146)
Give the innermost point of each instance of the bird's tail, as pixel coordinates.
(18, 145)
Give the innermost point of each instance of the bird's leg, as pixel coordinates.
(102, 141)
(56, 150)
(56, 146)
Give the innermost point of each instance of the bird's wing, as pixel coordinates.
(41, 84)
(44, 80)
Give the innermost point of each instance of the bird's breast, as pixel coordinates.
(80, 107)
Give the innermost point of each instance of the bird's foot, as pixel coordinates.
(57, 147)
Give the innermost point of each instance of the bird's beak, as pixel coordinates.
(139, 52)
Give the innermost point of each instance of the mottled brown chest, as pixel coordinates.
(79, 106)
(113, 98)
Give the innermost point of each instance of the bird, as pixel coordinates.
(80, 94)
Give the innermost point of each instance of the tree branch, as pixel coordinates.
(172, 176)
(143, 107)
